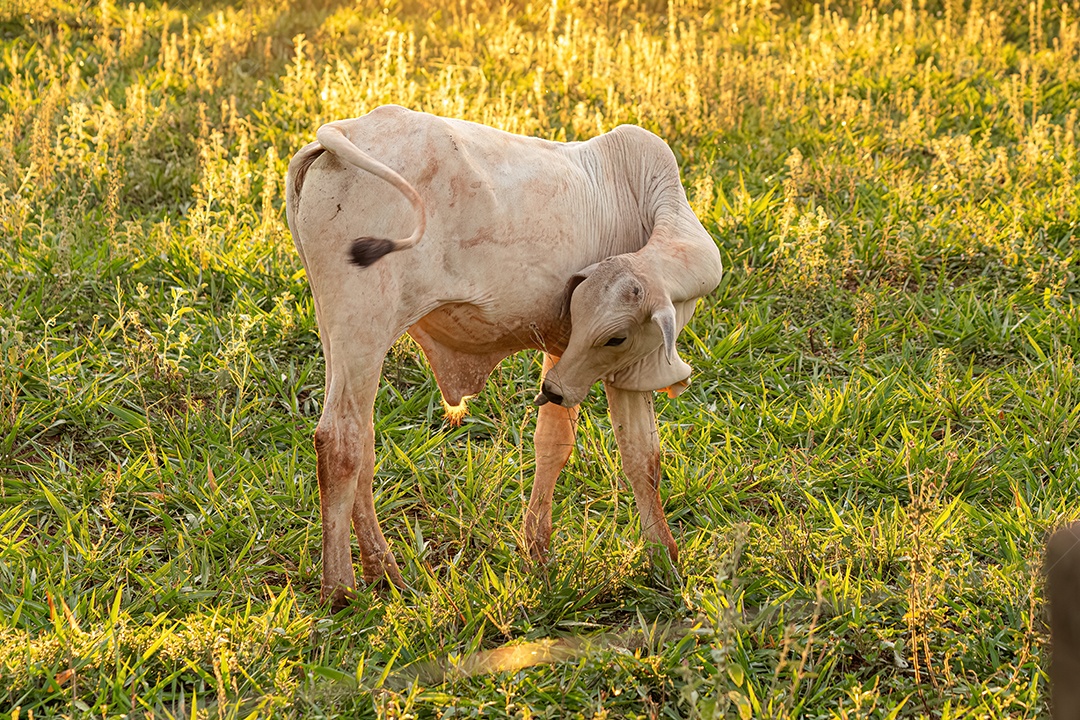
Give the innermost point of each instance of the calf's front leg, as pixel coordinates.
(634, 422)
(553, 442)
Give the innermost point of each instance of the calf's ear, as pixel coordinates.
(665, 318)
(571, 285)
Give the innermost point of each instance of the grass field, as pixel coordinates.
(879, 436)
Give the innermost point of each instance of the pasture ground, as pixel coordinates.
(879, 437)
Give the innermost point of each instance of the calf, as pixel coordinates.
(478, 244)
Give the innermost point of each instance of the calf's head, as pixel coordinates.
(623, 330)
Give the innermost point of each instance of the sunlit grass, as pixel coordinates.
(878, 437)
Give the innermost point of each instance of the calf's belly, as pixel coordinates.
(471, 329)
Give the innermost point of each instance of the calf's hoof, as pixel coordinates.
(537, 542)
(339, 597)
(382, 569)
(664, 562)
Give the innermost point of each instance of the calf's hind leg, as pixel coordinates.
(345, 447)
(634, 422)
(553, 441)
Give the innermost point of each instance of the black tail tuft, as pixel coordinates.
(366, 251)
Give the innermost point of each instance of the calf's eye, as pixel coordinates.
(615, 341)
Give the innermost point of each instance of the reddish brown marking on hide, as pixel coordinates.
(461, 189)
(430, 170)
(654, 470)
(677, 253)
(329, 459)
(429, 174)
(323, 442)
(457, 189)
(483, 236)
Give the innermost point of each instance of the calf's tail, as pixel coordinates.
(367, 250)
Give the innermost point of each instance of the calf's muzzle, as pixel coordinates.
(547, 395)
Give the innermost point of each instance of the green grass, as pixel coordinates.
(879, 436)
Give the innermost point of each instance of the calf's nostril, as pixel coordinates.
(549, 395)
